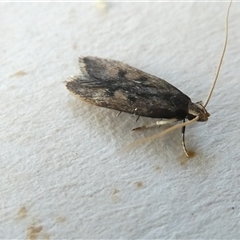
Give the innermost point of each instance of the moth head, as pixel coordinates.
(197, 109)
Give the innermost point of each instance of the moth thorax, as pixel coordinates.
(197, 109)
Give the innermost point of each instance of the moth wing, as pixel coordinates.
(113, 84)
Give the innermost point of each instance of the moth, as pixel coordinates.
(112, 84)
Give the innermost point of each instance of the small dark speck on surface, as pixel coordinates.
(183, 159)
(138, 184)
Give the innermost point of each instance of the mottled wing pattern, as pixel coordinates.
(113, 84)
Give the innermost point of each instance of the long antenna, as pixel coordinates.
(221, 59)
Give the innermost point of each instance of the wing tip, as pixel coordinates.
(83, 75)
(82, 66)
(71, 82)
(83, 78)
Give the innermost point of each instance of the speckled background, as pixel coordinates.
(63, 172)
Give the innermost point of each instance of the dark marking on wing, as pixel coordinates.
(132, 99)
(113, 84)
(122, 73)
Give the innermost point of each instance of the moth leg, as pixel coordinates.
(158, 123)
(119, 113)
(137, 118)
(135, 114)
(183, 140)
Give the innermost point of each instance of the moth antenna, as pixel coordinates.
(221, 59)
(161, 134)
(183, 140)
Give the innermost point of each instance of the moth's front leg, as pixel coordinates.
(157, 123)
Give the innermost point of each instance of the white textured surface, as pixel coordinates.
(62, 175)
